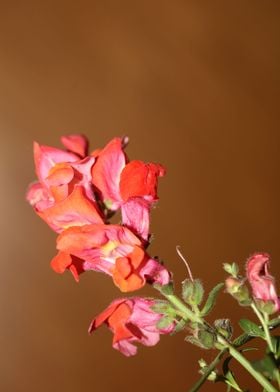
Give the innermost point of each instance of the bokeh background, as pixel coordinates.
(195, 85)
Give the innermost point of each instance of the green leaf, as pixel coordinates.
(242, 339)
(211, 300)
(187, 290)
(198, 292)
(251, 328)
(267, 366)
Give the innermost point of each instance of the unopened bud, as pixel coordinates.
(206, 338)
(224, 327)
(192, 291)
(238, 290)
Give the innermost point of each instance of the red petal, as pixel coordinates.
(140, 179)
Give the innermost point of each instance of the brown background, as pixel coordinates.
(195, 85)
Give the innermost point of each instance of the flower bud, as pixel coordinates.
(224, 327)
(192, 291)
(238, 290)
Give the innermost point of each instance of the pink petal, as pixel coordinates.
(156, 272)
(46, 157)
(136, 216)
(78, 144)
(106, 173)
(36, 193)
(125, 347)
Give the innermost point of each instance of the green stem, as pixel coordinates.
(189, 314)
(265, 327)
(209, 370)
(247, 365)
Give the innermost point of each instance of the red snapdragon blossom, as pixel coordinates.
(63, 197)
(132, 321)
(262, 283)
(130, 186)
(112, 249)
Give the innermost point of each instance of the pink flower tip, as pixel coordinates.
(262, 283)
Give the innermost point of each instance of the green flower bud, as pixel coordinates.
(238, 290)
(192, 291)
(224, 327)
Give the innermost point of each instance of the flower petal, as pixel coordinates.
(136, 216)
(75, 210)
(78, 144)
(46, 157)
(106, 173)
(140, 179)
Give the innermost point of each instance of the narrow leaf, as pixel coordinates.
(211, 300)
(198, 292)
(251, 328)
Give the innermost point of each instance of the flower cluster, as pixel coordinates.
(77, 193)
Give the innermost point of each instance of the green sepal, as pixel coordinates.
(193, 340)
(211, 300)
(251, 328)
(161, 306)
(166, 289)
(180, 326)
(267, 307)
(165, 322)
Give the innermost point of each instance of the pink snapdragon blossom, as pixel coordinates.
(112, 249)
(262, 283)
(130, 186)
(132, 321)
(64, 196)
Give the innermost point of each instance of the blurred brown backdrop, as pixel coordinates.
(195, 85)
